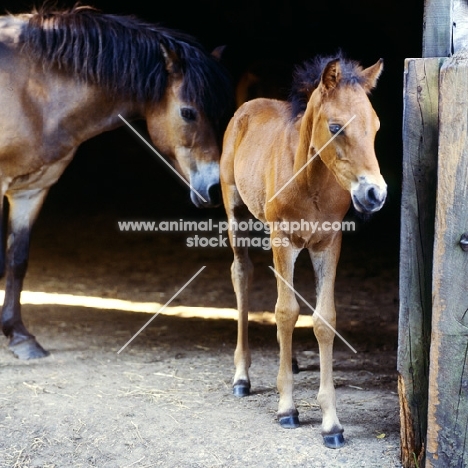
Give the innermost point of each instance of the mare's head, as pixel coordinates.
(188, 122)
(183, 92)
(343, 128)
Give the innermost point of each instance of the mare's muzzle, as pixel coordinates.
(205, 186)
(206, 197)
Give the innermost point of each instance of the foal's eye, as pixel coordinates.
(334, 128)
(188, 114)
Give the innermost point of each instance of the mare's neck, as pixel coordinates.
(100, 113)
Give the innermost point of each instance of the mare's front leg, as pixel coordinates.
(286, 314)
(24, 206)
(324, 320)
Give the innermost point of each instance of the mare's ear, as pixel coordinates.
(217, 53)
(171, 59)
(371, 75)
(331, 75)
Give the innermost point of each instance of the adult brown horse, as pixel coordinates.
(291, 164)
(66, 76)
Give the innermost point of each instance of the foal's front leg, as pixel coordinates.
(24, 207)
(324, 320)
(286, 314)
(241, 275)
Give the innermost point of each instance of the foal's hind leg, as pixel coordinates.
(324, 320)
(24, 206)
(286, 314)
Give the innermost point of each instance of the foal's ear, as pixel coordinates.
(371, 75)
(171, 59)
(331, 75)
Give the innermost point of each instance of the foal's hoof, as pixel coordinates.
(241, 388)
(295, 367)
(28, 349)
(334, 441)
(290, 421)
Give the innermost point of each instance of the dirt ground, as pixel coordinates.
(165, 400)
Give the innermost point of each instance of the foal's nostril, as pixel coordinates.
(372, 196)
(214, 194)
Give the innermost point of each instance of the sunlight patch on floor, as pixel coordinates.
(213, 313)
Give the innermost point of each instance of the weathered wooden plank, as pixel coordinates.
(460, 25)
(448, 373)
(437, 28)
(420, 134)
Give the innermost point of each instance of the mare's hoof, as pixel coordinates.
(28, 349)
(241, 388)
(334, 441)
(295, 367)
(289, 422)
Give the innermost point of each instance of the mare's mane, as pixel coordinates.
(123, 55)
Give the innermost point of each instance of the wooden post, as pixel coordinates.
(437, 28)
(433, 326)
(420, 133)
(447, 437)
(445, 27)
(460, 25)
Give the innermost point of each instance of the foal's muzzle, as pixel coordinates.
(368, 198)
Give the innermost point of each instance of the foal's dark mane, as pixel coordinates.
(123, 55)
(306, 78)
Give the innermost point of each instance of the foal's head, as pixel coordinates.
(344, 129)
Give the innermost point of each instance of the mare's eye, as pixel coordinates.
(188, 114)
(334, 128)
